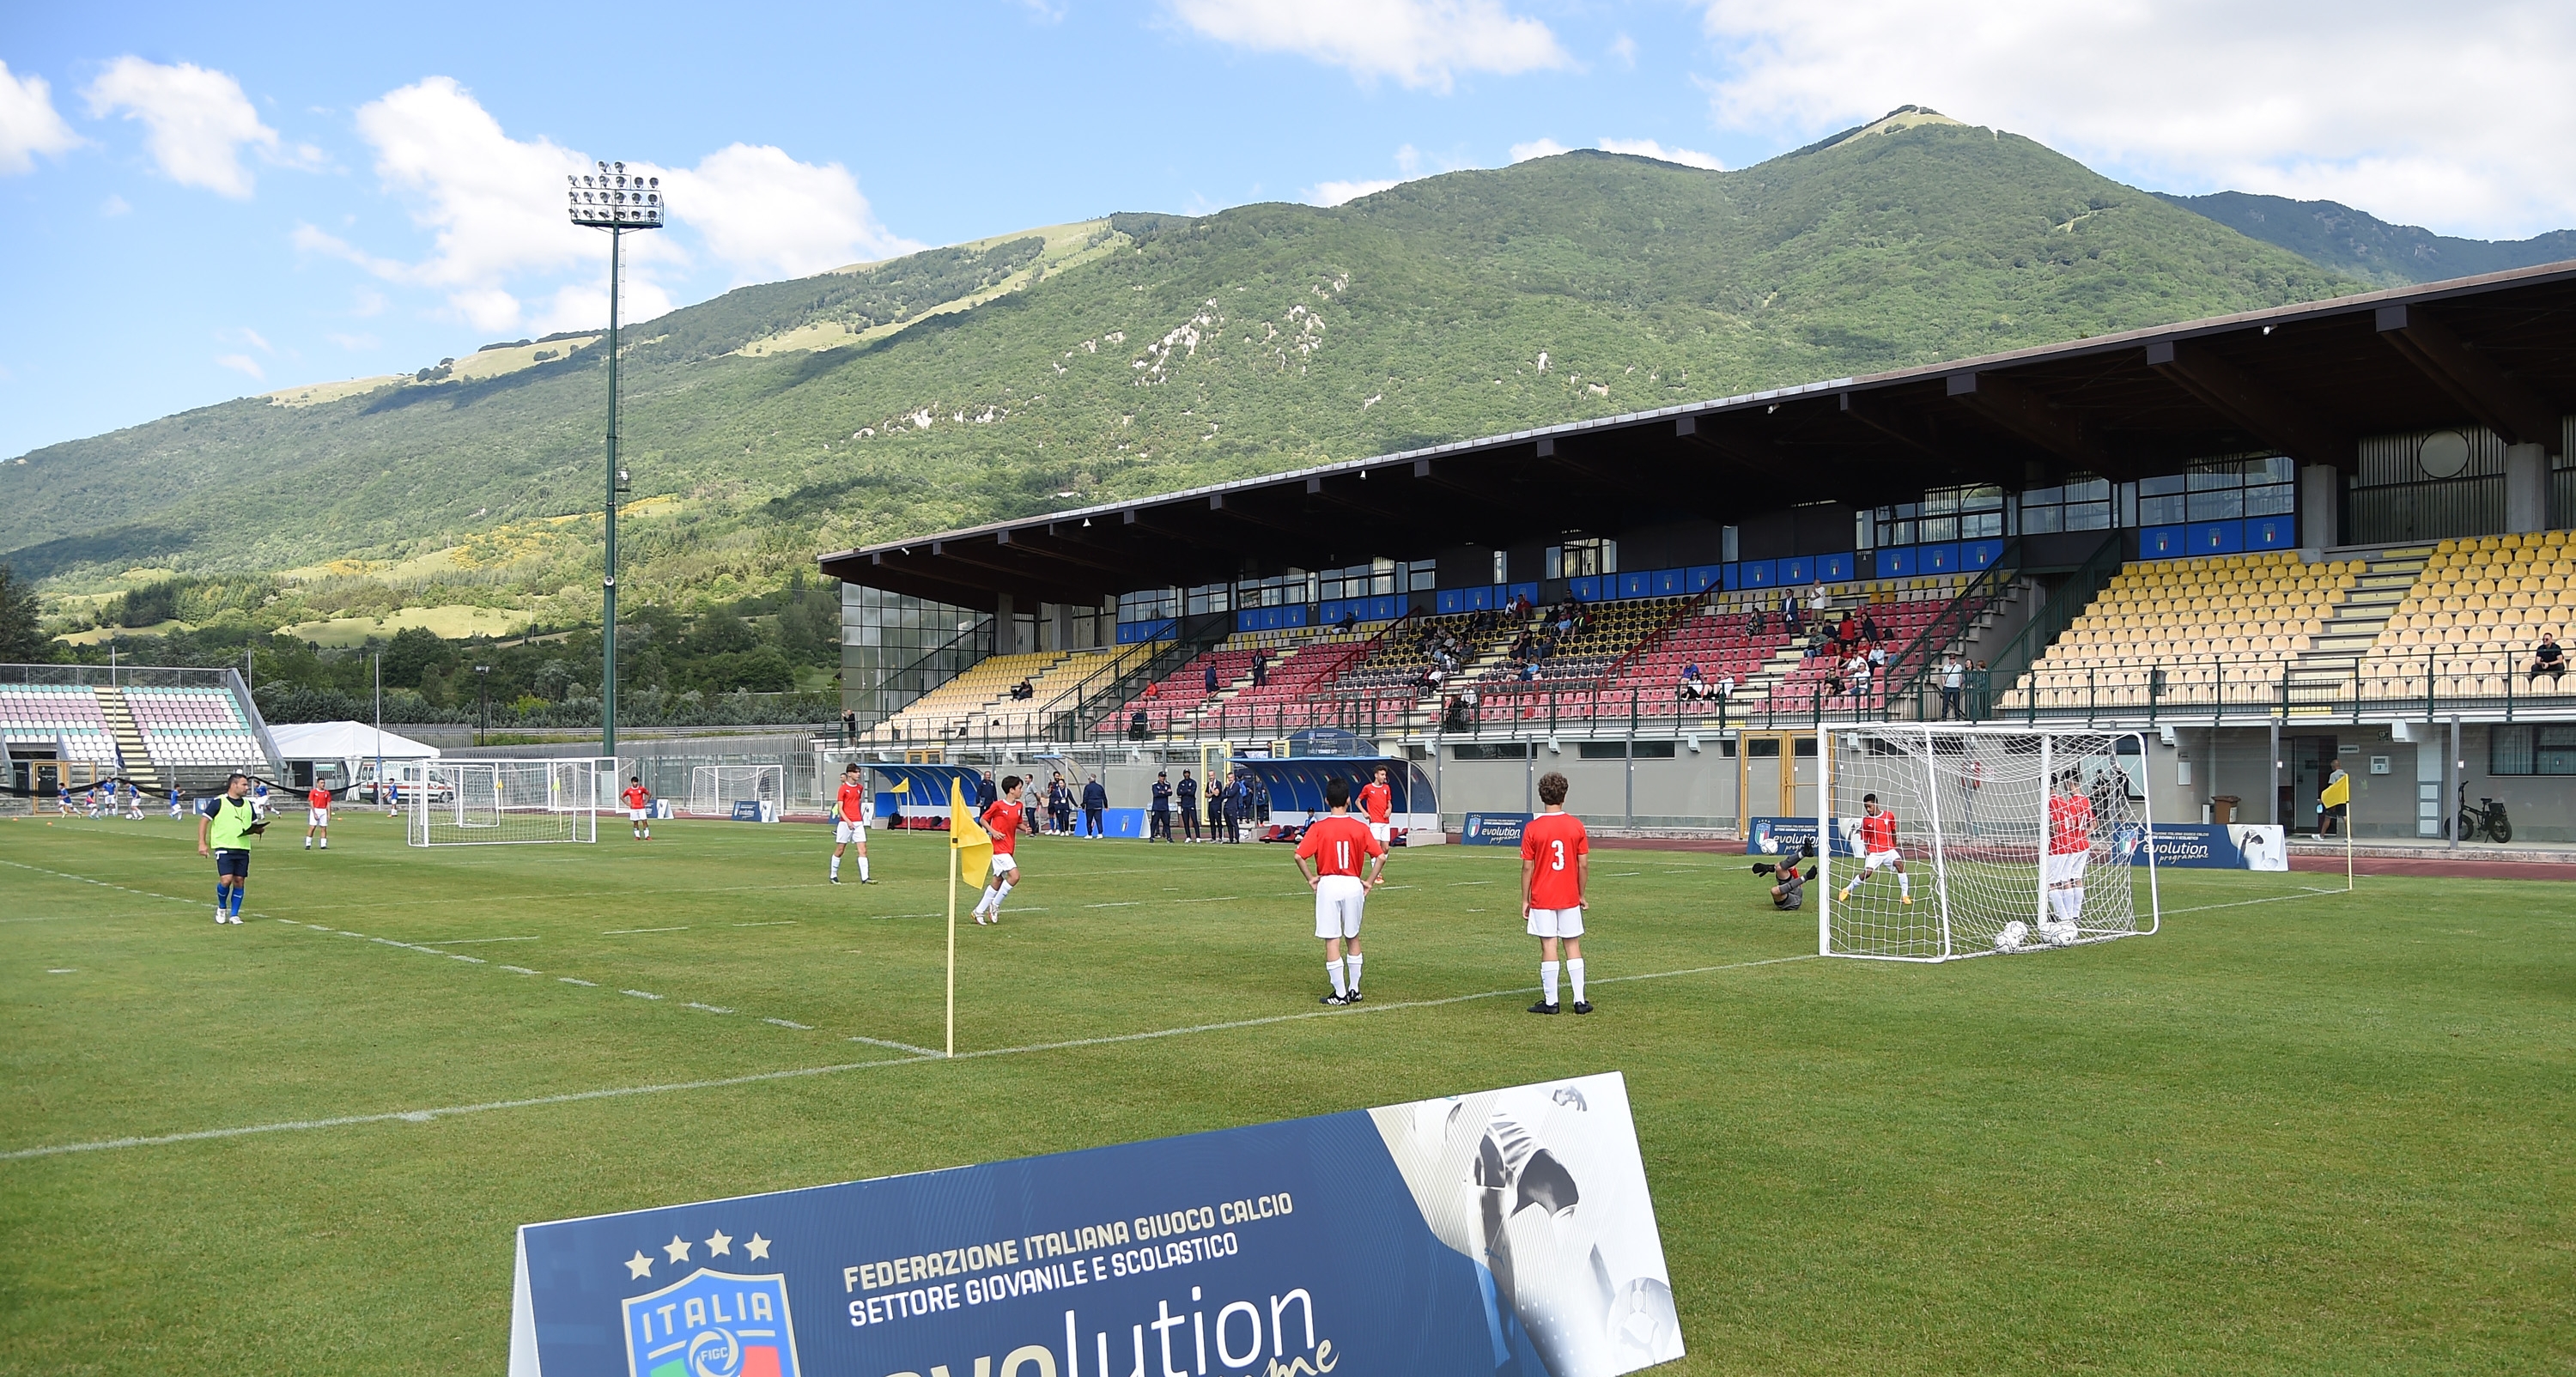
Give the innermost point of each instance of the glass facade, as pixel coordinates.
(895, 648)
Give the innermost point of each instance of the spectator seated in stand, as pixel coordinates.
(1692, 685)
(2548, 659)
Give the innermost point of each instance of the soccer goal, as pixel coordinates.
(496, 802)
(1981, 840)
(715, 789)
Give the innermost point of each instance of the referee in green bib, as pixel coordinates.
(225, 825)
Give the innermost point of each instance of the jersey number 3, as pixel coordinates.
(1558, 848)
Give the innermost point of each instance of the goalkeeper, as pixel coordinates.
(1790, 894)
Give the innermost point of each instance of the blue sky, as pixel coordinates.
(199, 202)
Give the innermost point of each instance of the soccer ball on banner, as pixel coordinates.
(2012, 936)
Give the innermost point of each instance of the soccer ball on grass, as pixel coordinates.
(2013, 935)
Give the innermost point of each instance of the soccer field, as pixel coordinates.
(2296, 1132)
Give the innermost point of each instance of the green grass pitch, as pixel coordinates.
(2296, 1132)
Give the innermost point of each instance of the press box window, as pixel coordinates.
(2532, 750)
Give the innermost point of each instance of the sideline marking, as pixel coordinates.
(473, 941)
(422, 1116)
(629, 932)
(898, 1046)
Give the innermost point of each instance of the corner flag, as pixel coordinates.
(2336, 795)
(974, 847)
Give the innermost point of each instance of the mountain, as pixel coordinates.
(2335, 236)
(1140, 354)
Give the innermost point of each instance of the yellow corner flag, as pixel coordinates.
(2336, 794)
(973, 845)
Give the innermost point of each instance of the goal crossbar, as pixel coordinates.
(499, 802)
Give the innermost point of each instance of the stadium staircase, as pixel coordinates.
(2324, 672)
(134, 761)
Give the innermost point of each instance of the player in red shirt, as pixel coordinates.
(1341, 846)
(1375, 800)
(850, 822)
(317, 816)
(638, 800)
(2070, 850)
(1556, 858)
(1003, 821)
(1877, 846)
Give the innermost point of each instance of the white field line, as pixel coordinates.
(897, 1046)
(793, 1073)
(475, 941)
(629, 932)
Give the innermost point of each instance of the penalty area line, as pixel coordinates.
(922, 1055)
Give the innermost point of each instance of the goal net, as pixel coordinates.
(715, 789)
(1982, 840)
(493, 802)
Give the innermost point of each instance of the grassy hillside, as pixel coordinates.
(1146, 353)
(2336, 236)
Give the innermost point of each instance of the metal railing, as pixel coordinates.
(120, 676)
(2206, 690)
(903, 686)
(2065, 603)
(1951, 623)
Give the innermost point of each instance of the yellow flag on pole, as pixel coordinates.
(974, 846)
(2336, 794)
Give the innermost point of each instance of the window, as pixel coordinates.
(2220, 490)
(1502, 567)
(1501, 750)
(2532, 750)
(1152, 604)
(1577, 559)
(1944, 515)
(1613, 750)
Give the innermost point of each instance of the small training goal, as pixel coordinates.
(1950, 842)
(496, 802)
(715, 789)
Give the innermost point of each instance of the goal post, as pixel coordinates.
(715, 789)
(500, 802)
(1937, 843)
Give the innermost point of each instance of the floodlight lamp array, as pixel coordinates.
(613, 198)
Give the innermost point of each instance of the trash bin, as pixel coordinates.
(2222, 808)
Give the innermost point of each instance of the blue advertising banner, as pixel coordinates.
(1441, 1237)
(1788, 836)
(1493, 829)
(2210, 846)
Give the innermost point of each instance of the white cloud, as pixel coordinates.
(1335, 193)
(245, 335)
(29, 124)
(2454, 116)
(771, 216)
(195, 121)
(1648, 148)
(242, 363)
(113, 206)
(355, 344)
(493, 204)
(1537, 148)
(1624, 48)
(1420, 43)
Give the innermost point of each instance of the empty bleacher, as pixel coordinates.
(2472, 618)
(191, 730)
(2221, 628)
(66, 719)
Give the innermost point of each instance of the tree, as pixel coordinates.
(22, 633)
(411, 651)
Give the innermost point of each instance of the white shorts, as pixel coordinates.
(1556, 922)
(2065, 867)
(1337, 906)
(636, 814)
(845, 831)
(1005, 861)
(317, 817)
(1383, 831)
(1875, 859)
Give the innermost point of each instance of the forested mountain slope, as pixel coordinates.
(1139, 355)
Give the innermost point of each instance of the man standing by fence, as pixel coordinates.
(1186, 793)
(1162, 814)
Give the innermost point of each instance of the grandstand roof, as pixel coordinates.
(2498, 350)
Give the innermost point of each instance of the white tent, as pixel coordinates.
(353, 747)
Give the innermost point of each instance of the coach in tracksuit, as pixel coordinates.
(1095, 806)
(1162, 814)
(1187, 794)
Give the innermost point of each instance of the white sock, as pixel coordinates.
(986, 903)
(1904, 883)
(863, 867)
(1334, 969)
(326, 843)
(836, 867)
(1574, 972)
(2075, 903)
(1353, 961)
(1547, 981)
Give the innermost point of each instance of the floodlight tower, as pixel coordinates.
(617, 202)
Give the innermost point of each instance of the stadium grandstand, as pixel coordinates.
(163, 729)
(2283, 544)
